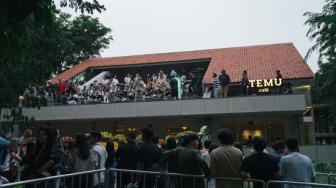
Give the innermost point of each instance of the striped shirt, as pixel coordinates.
(216, 83)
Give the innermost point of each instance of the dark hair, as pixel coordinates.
(212, 147)
(189, 137)
(155, 138)
(30, 147)
(225, 136)
(207, 144)
(71, 145)
(147, 133)
(82, 146)
(292, 143)
(132, 135)
(200, 145)
(96, 134)
(259, 143)
(110, 148)
(278, 144)
(214, 74)
(50, 139)
(171, 143)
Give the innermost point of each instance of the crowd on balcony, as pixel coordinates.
(138, 88)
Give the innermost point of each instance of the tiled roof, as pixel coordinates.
(259, 61)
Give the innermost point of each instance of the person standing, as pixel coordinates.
(295, 166)
(110, 164)
(81, 159)
(279, 89)
(226, 157)
(97, 147)
(189, 161)
(244, 83)
(139, 87)
(224, 81)
(147, 160)
(260, 165)
(173, 87)
(126, 157)
(216, 85)
(60, 91)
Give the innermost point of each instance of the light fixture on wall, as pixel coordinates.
(184, 128)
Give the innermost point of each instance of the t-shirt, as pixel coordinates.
(148, 154)
(224, 79)
(260, 166)
(127, 156)
(173, 84)
(296, 167)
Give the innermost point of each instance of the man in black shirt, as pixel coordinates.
(260, 165)
(173, 87)
(126, 159)
(147, 159)
(224, 81)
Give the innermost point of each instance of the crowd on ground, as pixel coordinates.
(49, 157)
(157, 86)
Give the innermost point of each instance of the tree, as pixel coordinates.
(323, 30)
(43, 51)
(14, 12)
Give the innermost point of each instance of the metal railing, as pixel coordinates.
(85, 179)
(126, 178)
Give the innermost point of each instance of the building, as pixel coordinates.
(262, 113)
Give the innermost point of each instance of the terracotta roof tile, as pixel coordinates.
(259, 61)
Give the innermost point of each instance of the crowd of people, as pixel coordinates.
(49, 157)
(158, 85)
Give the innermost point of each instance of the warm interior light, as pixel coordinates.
(184, 128)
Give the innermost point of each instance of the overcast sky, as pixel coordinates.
(156, 26)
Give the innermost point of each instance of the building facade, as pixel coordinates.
(264, 112)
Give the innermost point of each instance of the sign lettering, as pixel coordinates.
(266, 83)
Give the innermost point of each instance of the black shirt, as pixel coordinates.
(127, 156)
(148, 154)
(260, 166)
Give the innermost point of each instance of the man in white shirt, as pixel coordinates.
(127, 79)
(97, 147)
(115, 79)
(295, 166)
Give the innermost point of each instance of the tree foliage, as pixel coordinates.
(14, 12)
(323, 31)
(48, 50)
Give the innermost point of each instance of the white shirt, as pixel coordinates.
(115, 81)
(101, 158)
(296, 167)
(127, 80)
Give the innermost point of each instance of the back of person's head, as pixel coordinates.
(164, 146)
(225, 136)
(96, 134)
(259, 143)
(212, 147)
(132, 135)
(110, 147)
(171, 143)
(207, 144)
(179, 143)
(82, 146)
(71, 145)
(155, 138)
(292, 143)
(147, 133)
(280, 144)
(188, 138)
(200, 145)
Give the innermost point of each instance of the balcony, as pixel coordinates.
(266, 104)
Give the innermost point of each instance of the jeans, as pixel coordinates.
(111, 176)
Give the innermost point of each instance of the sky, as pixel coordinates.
(156, 26)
